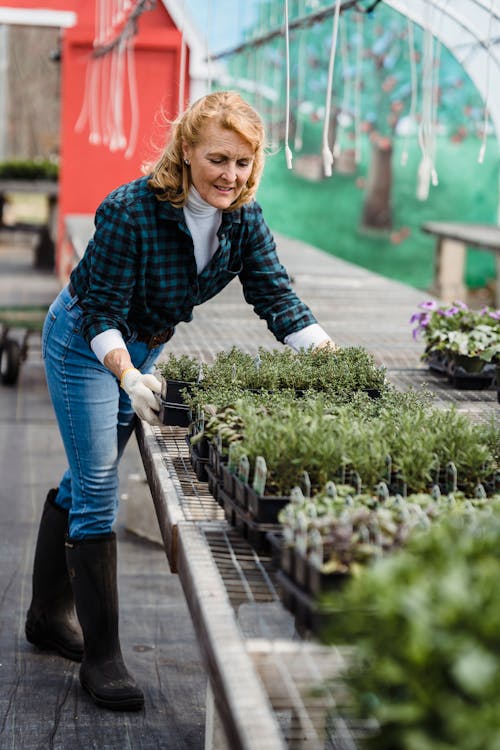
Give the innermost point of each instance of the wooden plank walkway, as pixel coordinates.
(41, 703)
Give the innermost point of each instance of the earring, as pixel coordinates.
(187, 162)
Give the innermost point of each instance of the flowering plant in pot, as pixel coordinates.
(459, 340)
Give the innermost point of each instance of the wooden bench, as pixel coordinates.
(45, 247)
(452, 239)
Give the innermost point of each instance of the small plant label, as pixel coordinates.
(260, 475)
(316, 548)
(244, 469)
(330, 489)
(306, 483)
(451, 477)
(297, 496)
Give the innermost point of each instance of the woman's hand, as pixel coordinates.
(327, 344)
(141, 389)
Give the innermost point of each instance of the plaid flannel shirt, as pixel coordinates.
(139, 272)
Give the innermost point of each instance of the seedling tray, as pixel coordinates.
(309, 614)
(213, 483)
(313, 580)
(264, 508)
(255, 533)
(175, 415)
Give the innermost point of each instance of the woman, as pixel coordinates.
(162, 244)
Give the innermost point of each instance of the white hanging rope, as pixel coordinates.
(482, 150)
(414, 90)
(326, 153)
(134, 103)
(301, 78)
(426, 170)
(345, 106)
(357, 88)
(288, 152)
(182, 66)
(111, 76)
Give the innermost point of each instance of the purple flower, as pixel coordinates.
(429, 305)
(495, 314)
(460, 305)
(450, 312)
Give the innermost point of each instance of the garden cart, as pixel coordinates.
(28, 320)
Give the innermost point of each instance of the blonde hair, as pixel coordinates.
(170, 175)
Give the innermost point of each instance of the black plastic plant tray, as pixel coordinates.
(172, 390)
(199, 459)
(309, 615)
(215, 459)
(315, 581)
(275, 539)
(255, 533)
(213, 483)
(174, 415)
(467, 381)
(227, 480)
(265, 508)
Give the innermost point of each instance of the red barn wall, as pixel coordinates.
(89, 172)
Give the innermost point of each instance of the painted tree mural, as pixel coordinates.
(392, 79)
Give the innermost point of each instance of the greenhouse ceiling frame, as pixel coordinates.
(469, 29)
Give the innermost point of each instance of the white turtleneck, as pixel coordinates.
(203, 221)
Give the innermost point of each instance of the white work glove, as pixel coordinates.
(141, 389)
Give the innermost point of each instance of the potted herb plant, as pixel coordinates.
(178, 375)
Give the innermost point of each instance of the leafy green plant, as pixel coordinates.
(426, 624)
(182, 367)
(29, 170)
(347, 370)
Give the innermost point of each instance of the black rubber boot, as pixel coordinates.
(51, 622)
(103, 674)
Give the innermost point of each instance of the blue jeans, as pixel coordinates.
(94, 415)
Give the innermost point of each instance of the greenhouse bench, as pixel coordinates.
(261, 673)
(452, 239)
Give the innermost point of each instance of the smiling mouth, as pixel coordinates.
(223, 189)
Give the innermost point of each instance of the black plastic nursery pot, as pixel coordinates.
(265, 508)
(215, 460)
(463, 372)
(309, 614)
(171, 390)
(173, 410)
(255, 533)
(175, 415)
(313, 580)
(470, 373)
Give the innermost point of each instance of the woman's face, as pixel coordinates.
(221, 164)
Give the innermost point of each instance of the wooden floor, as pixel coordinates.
(41, 703)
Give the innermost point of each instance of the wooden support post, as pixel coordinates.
(449, 270)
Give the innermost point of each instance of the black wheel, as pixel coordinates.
(10, 362)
